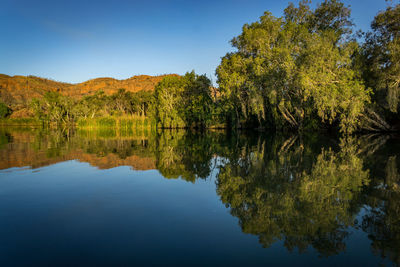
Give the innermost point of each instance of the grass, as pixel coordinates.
(126, 123)
(113, 133)
(20, 122)
(123, 122)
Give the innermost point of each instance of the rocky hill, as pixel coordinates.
(16, 91)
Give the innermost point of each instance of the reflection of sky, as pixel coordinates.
(77, 40)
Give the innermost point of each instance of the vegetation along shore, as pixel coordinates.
(308, 70)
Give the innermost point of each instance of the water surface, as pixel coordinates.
(106, 197)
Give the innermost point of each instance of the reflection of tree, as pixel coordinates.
(298, 190)
(276, 195)
(175, 153)
(54, 142)
(183, 154)
(382, 221)
(5, 138)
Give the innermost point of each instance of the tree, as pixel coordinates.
(122, 102)
(331, 15)
(198, 102)
(183, 101)
(381, 55)
(169, 106)
(54, 107)
(142, 102)
(295, 71)
(4, 110)
(92, 106)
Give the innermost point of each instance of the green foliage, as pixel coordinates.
(118, 104)
(381, 59)
(168, 100)
(97, 110)
(4, 110)
(183, 101)
(20, 122)
(302, 71)
(121, 122)
(53, 107)
(92, 106)
(289, 72)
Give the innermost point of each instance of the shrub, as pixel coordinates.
(4, 110)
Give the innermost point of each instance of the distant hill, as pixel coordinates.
(16, 91)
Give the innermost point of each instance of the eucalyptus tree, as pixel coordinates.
(168, 98)
(93, 105)
(142, 102)
(295, 71)
(197, 100)
(54, 107)
(183, 101)
(381, 62)
(121, 101)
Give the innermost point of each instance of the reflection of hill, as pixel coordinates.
(304, 191)
(25, 150)
(24, 156)
(112, 161)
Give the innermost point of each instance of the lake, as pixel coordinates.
(123, 197)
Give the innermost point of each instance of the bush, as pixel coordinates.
(4, 110)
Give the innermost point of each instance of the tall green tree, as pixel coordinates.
(381, 55)
(197, 99)
(121, 102)
(295, 71)
(143, 102)
(169, 106)
(183, 101)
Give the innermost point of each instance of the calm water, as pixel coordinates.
(181, 198)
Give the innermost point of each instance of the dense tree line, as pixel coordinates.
(184, 101)
(177, 102)
(380, 64)
(56, 108)
(306, 70)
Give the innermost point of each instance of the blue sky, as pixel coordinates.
(77, 40)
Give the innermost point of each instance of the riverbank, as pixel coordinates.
(126, 122)
(20, 122)
(111, 122)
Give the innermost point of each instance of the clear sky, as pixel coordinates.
(77, 40)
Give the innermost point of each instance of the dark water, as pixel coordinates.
(181, 198)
